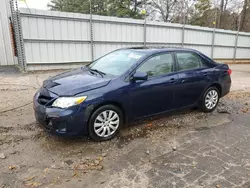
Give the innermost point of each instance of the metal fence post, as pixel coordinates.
(236, 39)
(145, 26)
(183, 36)
(18, 35)
(22, 47)
(235, 46)
(91, 31)
(212, 49)
(16, 32)
(145, 33)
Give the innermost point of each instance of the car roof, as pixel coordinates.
(155, 49)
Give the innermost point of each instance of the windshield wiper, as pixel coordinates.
(99, 72)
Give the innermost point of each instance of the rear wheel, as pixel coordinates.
(105, 123)
(210, 99)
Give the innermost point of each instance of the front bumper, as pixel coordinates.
(69, 122)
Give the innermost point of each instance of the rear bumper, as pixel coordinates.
(68, 122)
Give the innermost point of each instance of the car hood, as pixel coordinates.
(74, 82)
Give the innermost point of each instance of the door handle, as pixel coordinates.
(172, 80)
(205, 73)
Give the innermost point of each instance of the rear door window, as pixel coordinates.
(188, 61)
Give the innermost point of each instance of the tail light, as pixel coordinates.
(229, 71)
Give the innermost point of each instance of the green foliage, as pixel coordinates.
(194, 12)
(202, 6)
(203, 15)
(119, 8)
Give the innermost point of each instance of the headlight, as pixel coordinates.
(65, 102)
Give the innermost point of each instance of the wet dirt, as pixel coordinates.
(37, 159)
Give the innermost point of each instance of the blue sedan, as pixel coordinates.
(128, 84)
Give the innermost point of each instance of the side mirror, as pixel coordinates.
(139, 76)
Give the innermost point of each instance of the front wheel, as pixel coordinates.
(105, 123)
(210, 99)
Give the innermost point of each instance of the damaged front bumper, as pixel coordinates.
(69, 122)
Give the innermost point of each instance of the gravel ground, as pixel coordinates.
(185, 149)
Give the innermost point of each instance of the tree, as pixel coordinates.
(167, 9)
(243, 15)
(221, 13)
(119, 8)
(202, 13)
(123, 8)
(81, 6)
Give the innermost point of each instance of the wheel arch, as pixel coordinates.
(114, 103)
(218, 86)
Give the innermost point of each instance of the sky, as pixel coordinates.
(38, 4)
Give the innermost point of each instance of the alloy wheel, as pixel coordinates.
(106, 123)
(211, 99)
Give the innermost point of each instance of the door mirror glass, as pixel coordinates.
(140, 76)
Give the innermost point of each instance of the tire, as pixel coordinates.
(204, 104)
(103, 128)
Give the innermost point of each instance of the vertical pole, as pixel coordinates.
(213, 37)
(184, 23)
(22, 47)
(145, 27)
(236, 39)
(236, 44)
(145, 33)
(212, 50)
(14, 25)
(91, 31)
(18, 35)
(183, 36)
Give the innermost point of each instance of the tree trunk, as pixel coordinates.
(225, 6)
(243, 15)
(220, 20)
(135, 6)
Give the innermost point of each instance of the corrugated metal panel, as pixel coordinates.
(59, 37)
(102, 49)
(223, 52)
(198, 37)
(243, 53)
(53, 40)
(57, 52)
(244, 41)
(156, 34)
(6, 51)
(35, 67)
(117, 32)
(223, 39)
(204, 49)
(3, 60)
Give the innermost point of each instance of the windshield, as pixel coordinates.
(116, 63)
